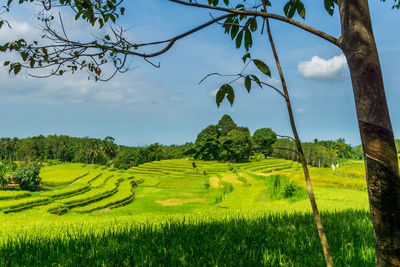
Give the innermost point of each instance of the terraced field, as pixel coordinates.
(113, 217)
(70, 187)
(176, 186)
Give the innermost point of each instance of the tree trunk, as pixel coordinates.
(381, 165)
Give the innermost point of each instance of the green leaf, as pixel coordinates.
(226, 2)
(220, 95)
(248, 40)
(228, 24)
(247, 83)
(4, 47)
(225, 90)
(262, 67)
(17, 69)
(245, 57)
(329, 6)
(253, 25)
(234, 29)
(301, 10)
(122, 10)
(289, 9)
(24, 55)
(6, 63)
(239, 39)
(31, 62)
(230, 94)
(255, 78)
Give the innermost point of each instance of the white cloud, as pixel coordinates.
(300, 111)
(18, 30)
(273, 81)
(323, 69)
(134, 91)
(214, 92)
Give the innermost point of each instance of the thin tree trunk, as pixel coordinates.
(381, 165)
(317, 218)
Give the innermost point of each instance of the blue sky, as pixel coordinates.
(167, 105)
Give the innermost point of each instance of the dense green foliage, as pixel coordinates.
(263, 140)
(317, 153)
(224, 141)
(4, 170)
(228, 142)
(27, 176)
(61, 148)
(86, 150)
(128, 157)
(270, 240)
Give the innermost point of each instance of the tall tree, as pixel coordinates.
(263, 140)
(240, 145)
(226, 124)
(356, 41)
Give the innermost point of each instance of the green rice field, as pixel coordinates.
(169, 213)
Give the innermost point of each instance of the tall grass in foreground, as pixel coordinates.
(271, 240)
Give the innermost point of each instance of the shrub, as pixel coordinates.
(280, 187)
(27, 176)
(289, 190)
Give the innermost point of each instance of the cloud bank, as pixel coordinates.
(323, 69)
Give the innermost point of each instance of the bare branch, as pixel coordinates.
(286, 136)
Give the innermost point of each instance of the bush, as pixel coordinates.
(27, 176)
(289, 191)
(280, 187)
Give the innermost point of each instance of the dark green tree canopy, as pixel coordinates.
(263, 139)
(239, 145)
(210, 132)
(226, 124)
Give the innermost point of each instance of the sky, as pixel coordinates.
(168, 105)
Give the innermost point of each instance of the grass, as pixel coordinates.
(215, 214)
(125, 195)
(271, 240)
(13, 194)
(67, 191)
(20, 204)
(59, 175)
(92, 195)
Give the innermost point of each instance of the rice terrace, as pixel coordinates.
(169, 212)
(199, 133)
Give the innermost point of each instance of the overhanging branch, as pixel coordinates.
(296, 23)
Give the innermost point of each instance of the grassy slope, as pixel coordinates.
(173, 192)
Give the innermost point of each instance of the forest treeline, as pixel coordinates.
(63, 148)
(317, 153)
(224, 141)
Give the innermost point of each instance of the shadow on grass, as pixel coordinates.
(272, 240)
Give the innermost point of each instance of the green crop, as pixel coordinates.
(214, 214)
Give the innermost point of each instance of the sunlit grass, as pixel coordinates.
(214, 214)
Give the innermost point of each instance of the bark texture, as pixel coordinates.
(381, 164)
